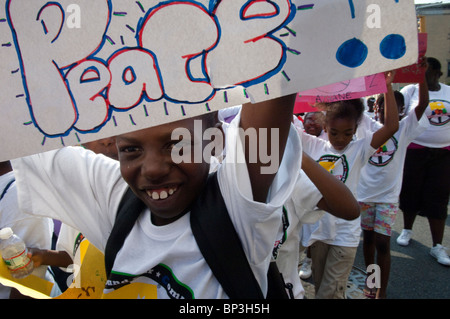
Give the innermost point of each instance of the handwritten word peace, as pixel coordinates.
(184, 53)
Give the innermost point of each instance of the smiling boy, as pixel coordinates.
(160, 257)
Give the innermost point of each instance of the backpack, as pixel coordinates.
(5, 190)
(216, 237)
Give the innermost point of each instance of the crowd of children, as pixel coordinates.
(377, 186)
(325, 165)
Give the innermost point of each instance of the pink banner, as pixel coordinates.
(346, 90)
(413, 73)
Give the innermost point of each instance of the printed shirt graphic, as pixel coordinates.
(285, 225)
(336, 165)
(385, 166)
(438, 133)
(385, 153)
(121, 285)
(439, 112)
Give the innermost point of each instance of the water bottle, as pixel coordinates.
(14, 253)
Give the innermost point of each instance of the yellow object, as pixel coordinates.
(31, 285)
(88, 283)
(90, 279)
(135, 290)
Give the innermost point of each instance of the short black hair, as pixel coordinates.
(352, 109)
(399, 98)
(434, 63)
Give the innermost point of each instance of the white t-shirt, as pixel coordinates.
(35, 231)
(370, 114)
(381, 178)
(83, 190)
(345, 165)
(69, 240)
(298, 210)
(438, 113)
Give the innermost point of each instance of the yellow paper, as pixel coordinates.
(91, 277)
(89, 281)
(31, 285)
(137, 290)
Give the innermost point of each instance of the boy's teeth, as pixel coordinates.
(161, 195)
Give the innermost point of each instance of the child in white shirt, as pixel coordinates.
(379, 188)
(333, 241)
(426, 186)
(35, 231)
(84, 190)
(315, 185)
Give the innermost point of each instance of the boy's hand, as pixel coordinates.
(424, 97)
(58, 258)
(423, 65)
(36, 255)
(389, 76)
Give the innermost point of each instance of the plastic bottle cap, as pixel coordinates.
(5, 233)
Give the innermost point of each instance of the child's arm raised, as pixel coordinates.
(390, 115)
(275, 117)
(337, 199)
(424, 98)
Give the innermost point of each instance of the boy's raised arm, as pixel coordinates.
(275, 117)
(424, 97)
(337, 199)
(390, 115)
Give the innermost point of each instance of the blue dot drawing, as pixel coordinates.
(352, 53)
(393, 46)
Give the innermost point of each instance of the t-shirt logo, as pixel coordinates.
(280, 242)
(161, 274)
(385, 153)
(439, 114)
(336, 165)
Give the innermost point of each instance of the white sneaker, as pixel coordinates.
(305, 270)
(439, 252)
(404, 237)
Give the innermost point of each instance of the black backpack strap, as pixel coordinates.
(276, 285)
(220, 244)
(129, 210)
(216, 237)
(6, 188)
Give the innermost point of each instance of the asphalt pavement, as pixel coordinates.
(415, 274)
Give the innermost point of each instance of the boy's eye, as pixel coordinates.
(128, 149)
